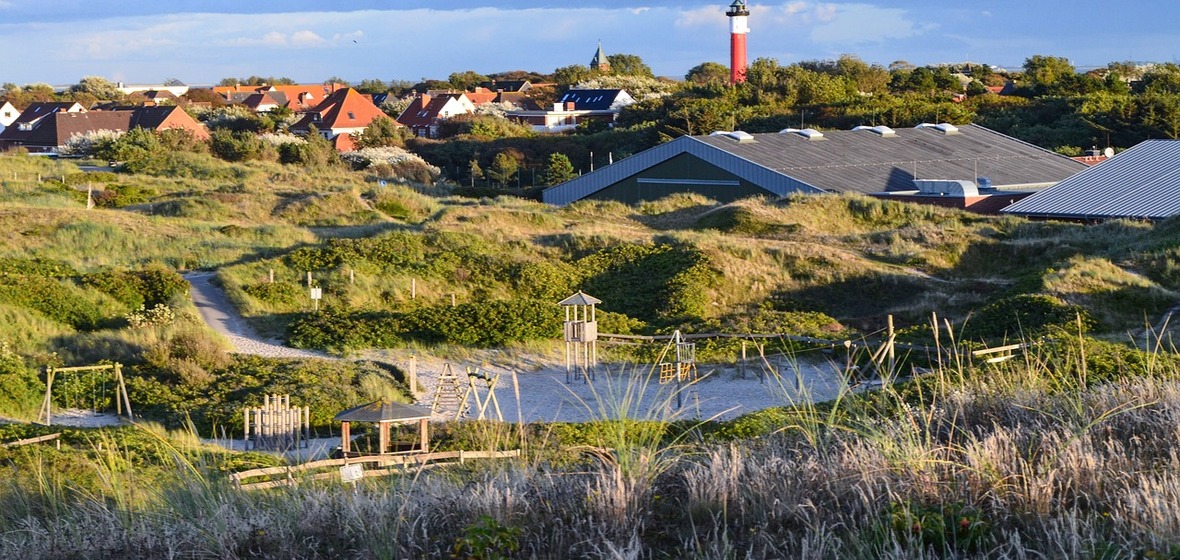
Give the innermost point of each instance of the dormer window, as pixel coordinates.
(350, 115)
(25, 126)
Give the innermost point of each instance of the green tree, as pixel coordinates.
(381, 132)
(1045, 74)
(571, 75)
(629, 65)
(559, 169)
(371, 86)
(504, 168)
(708, 73)
(99, 88)
(476, 171)
(466, 80)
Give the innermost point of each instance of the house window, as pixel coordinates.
(350, 115)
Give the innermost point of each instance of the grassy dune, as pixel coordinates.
(1068, 452)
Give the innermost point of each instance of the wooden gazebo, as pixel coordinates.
(384, 413)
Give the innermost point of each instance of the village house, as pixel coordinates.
(345, 113)
(46, 127)
(299, 98)
(575, 107)
(8, 115)
(426, 112)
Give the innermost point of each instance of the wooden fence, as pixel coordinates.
(276, 425)
(38, 439)
(381, 465)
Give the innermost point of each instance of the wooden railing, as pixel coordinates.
(380, 465)
(38, 439)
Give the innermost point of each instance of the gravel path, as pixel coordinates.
(221, 315)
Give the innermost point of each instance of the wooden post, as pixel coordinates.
(742, 364)
(892, 357)
(272, 276)
(413, 288)
(309, 279)
(452, 299)
(937, 344)
(48, 405)
(413, 376)
(424, 435)
(345, 437)
(246, 429)
(351, 276)
(123, 389)
(383, 437)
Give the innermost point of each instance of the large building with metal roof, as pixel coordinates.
(1142, 182)
(727, 166)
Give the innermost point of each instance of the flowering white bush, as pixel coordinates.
(366, 157)
(639, 87)
(224, 116)
(83, 144)
(157, 316)
(278, 139)
(499, 109)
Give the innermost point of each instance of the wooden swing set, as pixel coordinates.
(122, 401)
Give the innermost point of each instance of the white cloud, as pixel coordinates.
(709, 16)
(273, 38)
(306, 38)
(858, 24)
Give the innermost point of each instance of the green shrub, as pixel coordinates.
(37, 267)
(1024, 316)
(653, 283)
(148, 287)
(118, 196)
(336, 329)
(483, 324)
(56, 299)
(278, 294)
(22, 388)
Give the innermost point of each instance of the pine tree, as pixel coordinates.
(559, 170)
(503, 169)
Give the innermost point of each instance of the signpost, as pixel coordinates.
(351, 473)
(316, 295)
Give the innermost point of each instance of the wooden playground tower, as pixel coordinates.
(581, 336)
(122, 401)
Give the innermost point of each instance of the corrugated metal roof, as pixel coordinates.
(383, 411)
(586, 185)
(848, 161)
(1142, 182)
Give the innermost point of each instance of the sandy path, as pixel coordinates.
(221, 315)
(544, 393)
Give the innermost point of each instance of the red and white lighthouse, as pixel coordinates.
(738, 28)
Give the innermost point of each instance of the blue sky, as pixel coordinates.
(60, 41)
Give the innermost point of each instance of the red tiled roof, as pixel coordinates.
(56, 128)
(346, 108)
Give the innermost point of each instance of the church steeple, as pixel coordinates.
(600, 62)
